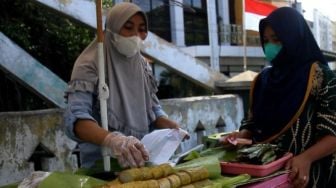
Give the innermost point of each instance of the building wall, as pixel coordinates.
(333, 29)
(22, 132)
(323, 31)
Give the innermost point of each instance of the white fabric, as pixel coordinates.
(254, 11)
(252, 21)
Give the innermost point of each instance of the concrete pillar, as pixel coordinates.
(224, 22)
(177, 23)
(213, 34)
(316, 30)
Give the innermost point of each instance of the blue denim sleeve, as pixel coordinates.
(157, 109)
(79, 107)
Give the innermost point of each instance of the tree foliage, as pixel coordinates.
(56, 41)
(174, 86)
(53, 40)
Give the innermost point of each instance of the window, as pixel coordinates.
(157, 12)
(196, 23)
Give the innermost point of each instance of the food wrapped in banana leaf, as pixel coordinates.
(202, 183)
(134, 184)
(210, 163)
(197, 173)
(145, 173)
(259, 154)
(161, 176)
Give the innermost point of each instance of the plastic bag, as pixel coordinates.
(161, 144)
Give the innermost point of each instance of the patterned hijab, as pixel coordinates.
(130, 83)
(279, 91)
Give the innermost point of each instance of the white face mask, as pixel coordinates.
(128, 46)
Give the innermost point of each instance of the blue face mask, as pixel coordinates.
(271, 50)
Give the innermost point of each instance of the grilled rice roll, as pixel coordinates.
(184, 178)
(197, 174)
(129, 175)
(164, 183)
(175, 181)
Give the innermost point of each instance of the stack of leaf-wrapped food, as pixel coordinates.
(161, 176)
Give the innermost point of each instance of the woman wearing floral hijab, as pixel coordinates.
(293, 102)
(133, 106)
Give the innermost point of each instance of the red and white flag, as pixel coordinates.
(255, 10)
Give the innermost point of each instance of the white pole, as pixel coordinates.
(103, 89)
(244, 35)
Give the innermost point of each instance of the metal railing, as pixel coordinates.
(233, 34)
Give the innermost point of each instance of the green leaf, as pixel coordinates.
(232, 181)
(69, 180)
(192, 155)
(211, 163)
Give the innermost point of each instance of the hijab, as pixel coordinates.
(130, 81)
(279, 90)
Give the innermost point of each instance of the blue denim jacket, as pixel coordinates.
(81, 106)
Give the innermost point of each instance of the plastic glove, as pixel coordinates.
(128, 150)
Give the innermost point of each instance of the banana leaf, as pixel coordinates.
(192, 155)
(221, 153)
(12, 185)
(211, 163)
(230, 155)
(233, 181)
(69, 180)
(97, 171)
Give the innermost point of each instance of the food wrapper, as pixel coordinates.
(162, 144)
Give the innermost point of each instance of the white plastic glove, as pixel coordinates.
(128, 150)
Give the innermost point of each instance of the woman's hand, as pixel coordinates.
(128, 150)
(236, 138)
(300, 168)
(300, 164)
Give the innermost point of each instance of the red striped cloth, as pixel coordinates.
(255, 10)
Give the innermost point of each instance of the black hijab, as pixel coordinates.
(279, 90)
